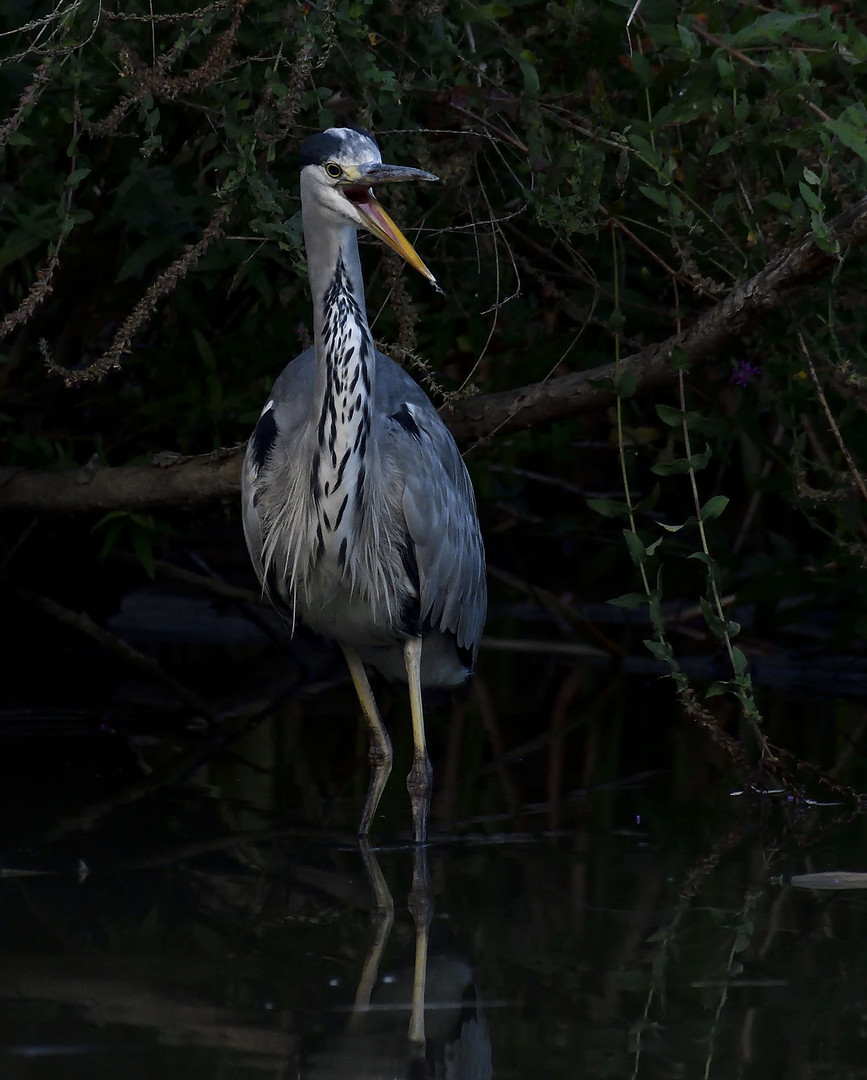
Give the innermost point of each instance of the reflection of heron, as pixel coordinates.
(424, 1020)
(358, 510)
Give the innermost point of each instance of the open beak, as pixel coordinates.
(359, 192)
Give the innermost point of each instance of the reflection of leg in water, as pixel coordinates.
(421, 909)
(382, 919)
(447, 1034)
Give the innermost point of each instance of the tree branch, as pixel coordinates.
(170, 480)
(189, 481)
(704, 340)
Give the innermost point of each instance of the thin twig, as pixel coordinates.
(832, 423)
(145, 309)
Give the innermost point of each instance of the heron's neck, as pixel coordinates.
(327, 250)
(344, 388)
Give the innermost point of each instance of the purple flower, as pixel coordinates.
(744, 373)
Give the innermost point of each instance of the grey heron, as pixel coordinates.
(359, 513)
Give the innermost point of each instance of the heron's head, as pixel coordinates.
(339, 170)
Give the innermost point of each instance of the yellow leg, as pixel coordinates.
(380, 754)
(420, 779)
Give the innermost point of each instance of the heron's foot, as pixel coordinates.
(419, 784)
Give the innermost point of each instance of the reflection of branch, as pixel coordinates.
(135, 997)
(84, 624)
(216, 475)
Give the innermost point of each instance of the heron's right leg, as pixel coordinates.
(380, 754)
(420, 780)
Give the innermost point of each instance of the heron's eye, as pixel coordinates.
(333, 170)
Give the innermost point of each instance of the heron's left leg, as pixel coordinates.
(420, 779)
(380, 753)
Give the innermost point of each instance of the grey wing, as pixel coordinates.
(280, 425)
(439, 507)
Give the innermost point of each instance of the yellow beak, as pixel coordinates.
(360, 194)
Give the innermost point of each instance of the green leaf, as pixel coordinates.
(17, 246)
(851, 129)
(112, 515)
(77, 217)
(723, 144)
(701, 461)
(134, 266)
(725, 71)
(683, 465)
(660, 649)
(76, 177)
(648, 153)
(655, 607)
(701, 556)
(630, 600)
(689, 41)
(636, 548)
(739, 661)
(716, 624)
(143, 547)
(714, 507)
(813, 201)
(495, 11)
(204, 349)
(655, 195)
(779, 201)
(670, 416)
(678, 467)
(770, 27)
(641, 67)
(678, 359)
(531, 76)
(742, 109)
(627, 384)
(649, 501)
(608, 508)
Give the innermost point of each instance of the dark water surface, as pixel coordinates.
(172, 913)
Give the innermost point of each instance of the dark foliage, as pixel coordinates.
(604, 182)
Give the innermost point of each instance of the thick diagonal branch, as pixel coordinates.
(706, 339)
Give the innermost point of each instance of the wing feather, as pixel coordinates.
(439, 507)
